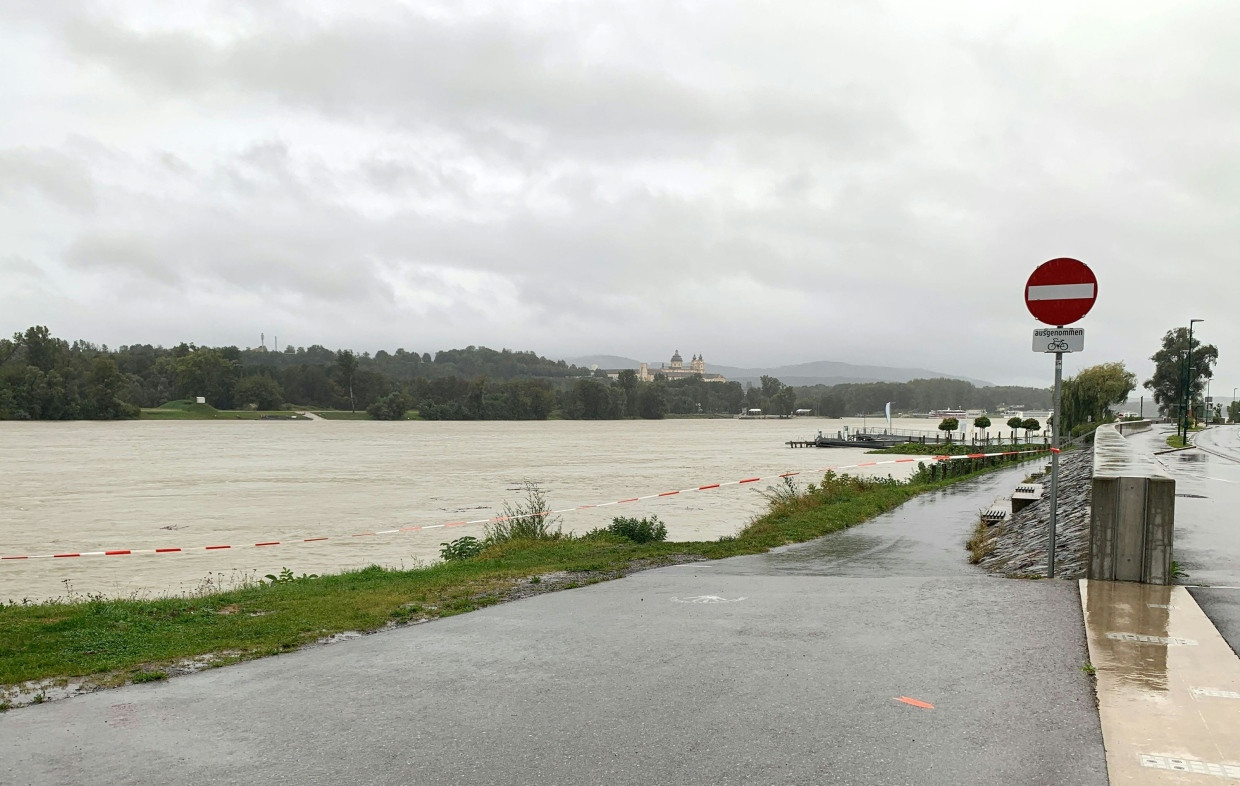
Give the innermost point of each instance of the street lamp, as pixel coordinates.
(1188, 382)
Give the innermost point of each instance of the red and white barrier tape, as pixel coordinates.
(496, 519)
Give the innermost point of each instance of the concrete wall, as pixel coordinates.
(1132, 518)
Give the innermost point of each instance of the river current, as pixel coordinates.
(84, 486)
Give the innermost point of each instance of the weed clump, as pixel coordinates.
(529, 519)
(982, 542)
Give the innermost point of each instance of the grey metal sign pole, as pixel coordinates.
(1056, 418)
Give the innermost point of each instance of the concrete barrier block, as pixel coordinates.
(1132, 515)
(1159, 530)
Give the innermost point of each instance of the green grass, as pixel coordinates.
(111, 642)
(1177, 441)
(185, 410)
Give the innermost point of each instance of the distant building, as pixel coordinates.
(674, 369)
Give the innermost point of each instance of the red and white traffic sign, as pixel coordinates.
(1061, 291)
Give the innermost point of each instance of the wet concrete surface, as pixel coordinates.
(779, 668)
(1168, 685)
(924, 537)
(1207, 519)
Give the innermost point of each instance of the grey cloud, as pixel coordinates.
(49, 173)
(469, 77)
(763, 184)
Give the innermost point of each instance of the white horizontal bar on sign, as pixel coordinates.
(1061, 292)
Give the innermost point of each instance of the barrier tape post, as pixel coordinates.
(495, 519)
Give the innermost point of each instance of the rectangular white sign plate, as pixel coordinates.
(1059, 340)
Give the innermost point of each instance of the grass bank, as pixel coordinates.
(184, 410)
(99, 641)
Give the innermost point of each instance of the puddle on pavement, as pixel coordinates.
(1138, 609)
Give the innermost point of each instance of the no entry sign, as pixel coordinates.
(1061, 291)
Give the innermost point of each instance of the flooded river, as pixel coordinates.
(77, 487)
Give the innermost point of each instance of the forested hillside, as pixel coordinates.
(46, 378)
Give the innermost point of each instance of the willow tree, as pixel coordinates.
(1089, 396)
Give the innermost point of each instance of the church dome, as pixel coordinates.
(676, 358)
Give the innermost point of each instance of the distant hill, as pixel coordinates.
(820, 372)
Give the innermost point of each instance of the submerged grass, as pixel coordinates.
(112, 641)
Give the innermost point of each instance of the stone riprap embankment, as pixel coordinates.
(1018, 545)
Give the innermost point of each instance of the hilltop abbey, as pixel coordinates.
(676, 369)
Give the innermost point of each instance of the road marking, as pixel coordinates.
(1214, 693)
(1141, 638)
(915, 702)
(700, 599)
(1191, 765)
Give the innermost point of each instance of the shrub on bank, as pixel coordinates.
(641, 530)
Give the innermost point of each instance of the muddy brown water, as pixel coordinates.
(77, 487)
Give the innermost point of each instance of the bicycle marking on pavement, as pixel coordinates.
(1141, 638)
(1191, 765)
(1214, 693)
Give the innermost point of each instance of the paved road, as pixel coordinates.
(1207, 529)
(778, 668)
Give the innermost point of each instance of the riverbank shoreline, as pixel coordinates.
(53, 649)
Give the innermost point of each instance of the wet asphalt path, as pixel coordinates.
(777, 668)
(1207, 520)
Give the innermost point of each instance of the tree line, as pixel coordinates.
(46, 378)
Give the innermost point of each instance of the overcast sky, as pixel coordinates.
(762, 183)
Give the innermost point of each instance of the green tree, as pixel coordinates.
(393, 406)
(259, 391)
(981, 422)
(346, 365)
(652, 401)
(785, 401)
(1030, 424)
(948, 426)
(1171, 370)
(770, 386)
(43, 351)
(1233, 411)
(207, 373)
(589, 400)
(103, 387)
(1089, 396)
(628, 383)
(1013, 424)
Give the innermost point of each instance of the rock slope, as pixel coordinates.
(1018, 545)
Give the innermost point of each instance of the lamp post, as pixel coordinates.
(1188, 382)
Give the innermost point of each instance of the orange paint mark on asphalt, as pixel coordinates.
(915, 703)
